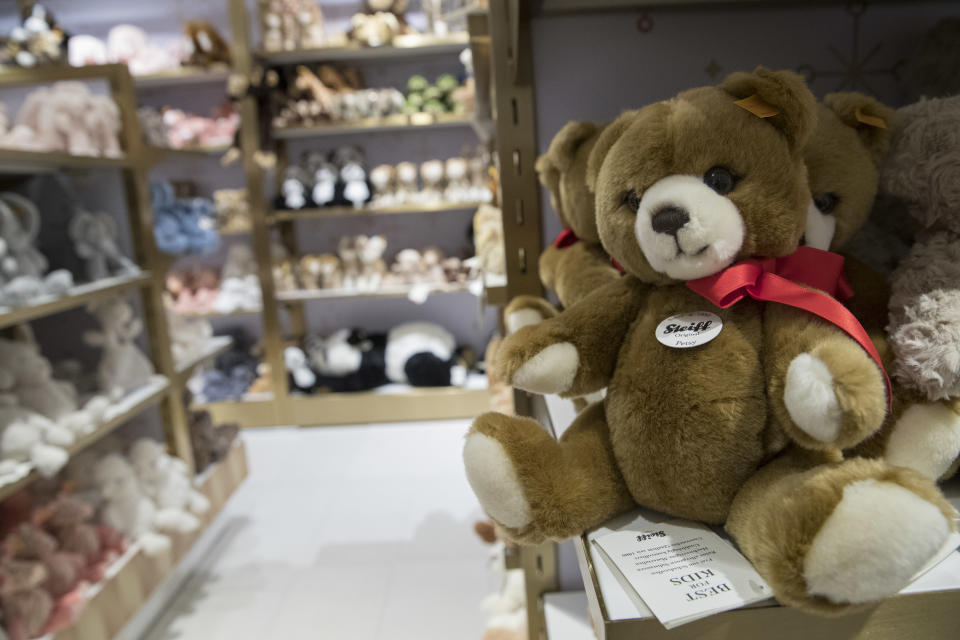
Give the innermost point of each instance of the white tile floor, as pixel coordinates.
(356, 533)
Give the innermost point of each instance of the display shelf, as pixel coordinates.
(415, 121)
(495, 286)
(119, 413)
(409, 46)
(213, 347)
(158, 154)
(75, 297)
(221, 314)
(285, 215)
(565, 615)
(182, 76)
(235, 231)
(254, 410)
(132, 579)
(16, 162)
(303, 295)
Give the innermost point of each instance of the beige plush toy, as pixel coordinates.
(372, 267)
(728, 400)
(321, 271)
(432, 179)
(406, 183)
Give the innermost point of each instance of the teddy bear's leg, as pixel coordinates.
(527, 310)
(536, 487)
(825, 390)
(574, 353)
(925, 437)
(830, 535)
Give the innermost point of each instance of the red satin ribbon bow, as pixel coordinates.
(566, 238)
(785, 280)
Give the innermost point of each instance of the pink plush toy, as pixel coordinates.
(68, 117)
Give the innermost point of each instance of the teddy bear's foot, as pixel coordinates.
(536, 487)
(878, 536)
(834, 395)
(830, 537)
(926, 438)
(524, 311)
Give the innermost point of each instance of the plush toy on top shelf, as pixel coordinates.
(68, 117)
(37, 40)
(205, 46)
(749, 420)
(289, 25)
(123, 366)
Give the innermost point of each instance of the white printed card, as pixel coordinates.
(683, 571)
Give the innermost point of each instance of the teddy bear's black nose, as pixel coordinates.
(669, 220)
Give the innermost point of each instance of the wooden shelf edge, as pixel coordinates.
(80, 295)
(389, 123)
(410, 47)
(306, 295)
(182, 76)
(217, 314)
(285, 215)
(152, 394)
(135, 577)
(17, 162)
(214, 347)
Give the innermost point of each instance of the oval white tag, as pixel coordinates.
(687, 330)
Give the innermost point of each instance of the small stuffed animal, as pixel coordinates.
(407, 189)
(23, 273)
(205, 45)
(370, 256)
(321, 271)
(210, 443)
(458, 183)
(350, 259)
(383, 180)
(423, 354)
(349, 360)
(488, 239)
(94, 237)
(295, 189)
(431, 176)
(28, 438)
(26, 605)
(125, 507)
(323, 175)
(123, 366)
(744, 428)
(354, 188)
(167, 482)
(302, 378)
(239, 285)
(69, 520)
(374, 30)
(64, 570)
(39, 39)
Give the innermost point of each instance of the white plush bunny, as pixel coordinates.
(123, 366)
(166, 480)
(24, 268)
(125, 507)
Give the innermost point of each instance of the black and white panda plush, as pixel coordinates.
(423, 354)
(348, 360)
(354, 187)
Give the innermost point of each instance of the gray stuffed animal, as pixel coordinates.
(94, 238)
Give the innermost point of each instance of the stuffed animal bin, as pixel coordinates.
(725, 403)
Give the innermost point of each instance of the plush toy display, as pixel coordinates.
(753, 414)
(94, 237)
(445, 95)
(39, 39)
(239, 284)
(423, 354)
(24, 276)
(68, 117)
(125, 507)
(210, 443)
(183, 225)
(127, 44)
(26, 604)
(123, 366)
(167, 482)
(289, 25)
(348, 360)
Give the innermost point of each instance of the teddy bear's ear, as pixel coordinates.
(870, 118)
(611, 133)
(548, 173)
(563, 147)
(780, 97)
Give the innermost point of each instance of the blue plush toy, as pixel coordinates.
(183, 225)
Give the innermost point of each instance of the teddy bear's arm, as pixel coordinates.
(575, 352)
(825, 390)
(580, 270)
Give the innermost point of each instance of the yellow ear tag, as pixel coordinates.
(757, 106)
(869, 120)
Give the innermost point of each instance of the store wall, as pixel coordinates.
(593, 66)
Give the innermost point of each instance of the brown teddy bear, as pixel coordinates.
(575, 264)
(719, 412)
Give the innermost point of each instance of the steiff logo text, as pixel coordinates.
(687, 330)
(650, 534)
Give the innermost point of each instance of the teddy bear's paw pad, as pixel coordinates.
(877, 538)
(810, 399)
(521, 318)
(926, 438)
(550, 371)
(494, 480)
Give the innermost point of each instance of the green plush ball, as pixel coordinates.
(447, 83)
(434, 106)
(415, 100)
(433, 93)
(417, 83)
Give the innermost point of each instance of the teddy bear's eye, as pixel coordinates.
(825, 202)
(720, 179)
(632, 200)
